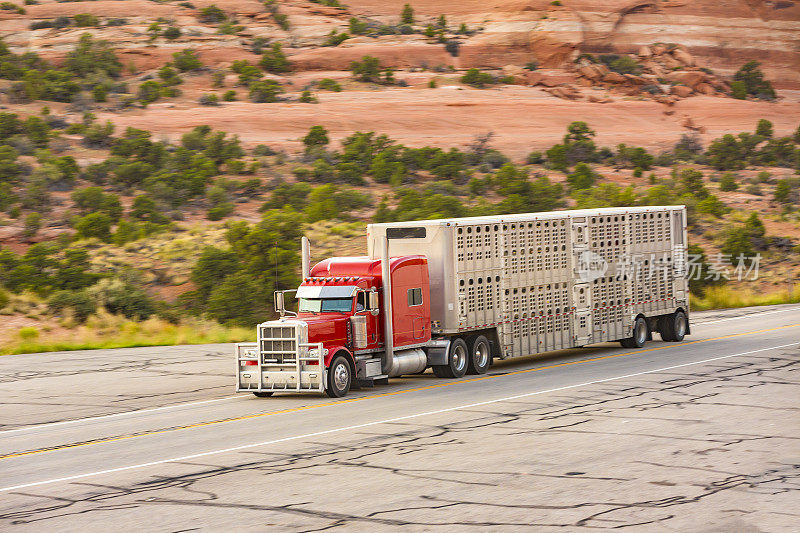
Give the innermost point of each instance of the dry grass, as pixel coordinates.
(726, 297)
(111, 331)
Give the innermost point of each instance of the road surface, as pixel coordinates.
(702, 435)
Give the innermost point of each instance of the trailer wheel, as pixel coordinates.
(457, 357)
(262, 394)
(480, 355)
(673, 327)
(340, 378)
(639, 336)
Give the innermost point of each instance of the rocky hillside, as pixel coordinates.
(160, 157)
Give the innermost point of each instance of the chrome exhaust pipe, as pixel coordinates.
(388, 333)
(305, 251)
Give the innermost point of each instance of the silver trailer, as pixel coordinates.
(538, 282)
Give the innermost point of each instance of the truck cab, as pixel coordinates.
(337, 336)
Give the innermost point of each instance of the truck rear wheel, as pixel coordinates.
(673, 327)
(340, 377)
(480, 355)
(639, 336)
(457, 357)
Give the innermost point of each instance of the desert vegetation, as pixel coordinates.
(118, 235)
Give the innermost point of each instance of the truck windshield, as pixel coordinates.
(326, 305)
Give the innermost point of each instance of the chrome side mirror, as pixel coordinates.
(280, 303)
(280, 306)
(374, 303)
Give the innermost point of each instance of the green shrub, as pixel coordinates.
(33, 223)
(229, 28)
(335, 39)
(282, 20)
(316, 137)
(476, 78)
(764, 128)
(728, 182)
(783, 192)
(9, 6)
(229, 96)
(212, 14)
(712, 205)
(274, 60)
(186, 60)
(621, 64)
(407, 15)
(93, 56)
(94, 225)
(327, 84)
(367, 70)
(28, 333)
(99, 93)
(582, 178)
(123, 296)
(85, 19)
(247, 73)
(754, 83)
(357, 27)
(220, 211)
(79, 302)
(265, 91)
(737, 243)
(93, 199)
(754, 189)
(149, 91)
(209, 99)
(238, 299)
(452, 47)
(308, 98)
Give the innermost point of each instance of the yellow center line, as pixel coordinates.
(382, 395)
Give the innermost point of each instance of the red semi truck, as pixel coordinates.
(454, 294)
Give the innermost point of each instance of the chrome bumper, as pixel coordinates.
(255, 373)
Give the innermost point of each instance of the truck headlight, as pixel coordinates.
(250, 353)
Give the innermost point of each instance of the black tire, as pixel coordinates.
(340, 377)
(480, 355)
(457, 357)
(666, 329)
(639, 337)
(262, 394)
(673, 327)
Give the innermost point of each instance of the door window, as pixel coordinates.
(414, 297)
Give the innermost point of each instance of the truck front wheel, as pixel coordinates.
(480, 355)
(340, 377)
(457, 357)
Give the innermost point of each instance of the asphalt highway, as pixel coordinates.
(696, 435)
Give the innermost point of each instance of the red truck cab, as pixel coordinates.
(341, 308)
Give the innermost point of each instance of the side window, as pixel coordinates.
(414, 297)
(361, 301)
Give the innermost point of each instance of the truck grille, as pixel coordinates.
(278, 344)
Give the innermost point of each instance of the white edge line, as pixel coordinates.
(152, 410)
(101, 417)
(749, 315)
(377, 422)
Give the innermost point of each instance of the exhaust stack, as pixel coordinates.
(305, 251)
(388, 332)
